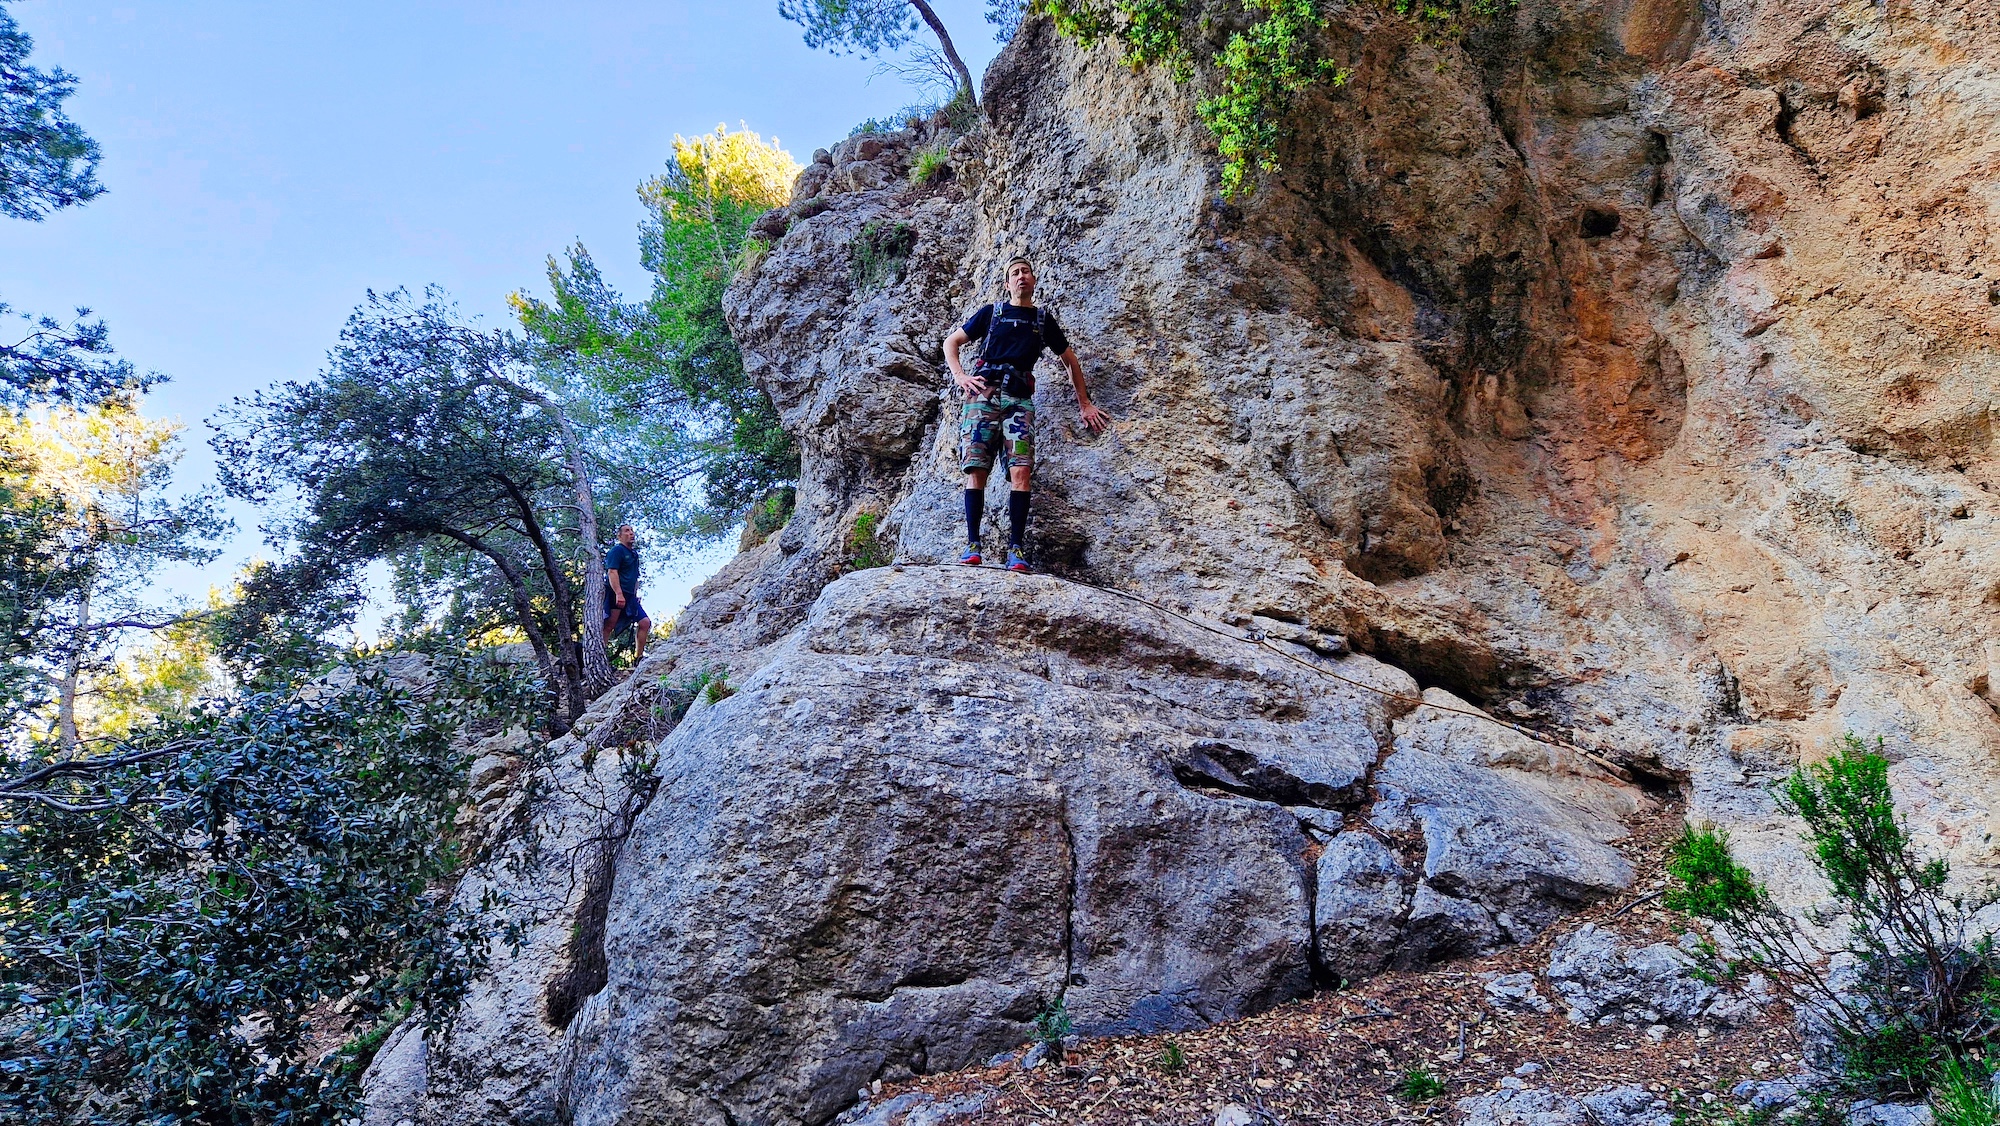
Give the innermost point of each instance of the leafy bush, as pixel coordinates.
(1259, 72)
(879, 255)
(176, 914)
(1052, 1024)
(1925, 991)
(930, 163)
(1418, 1086)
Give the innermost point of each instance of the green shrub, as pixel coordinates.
(179, 913)
(930, 163)
(1709, 881)
(1925, 992)
(1419, 1086)
(879, 255)
(1172, 1059)
(1258, 72)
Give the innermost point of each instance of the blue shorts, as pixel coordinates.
(620, 620)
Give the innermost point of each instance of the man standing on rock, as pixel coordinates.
(621, 593)
(1000, 402)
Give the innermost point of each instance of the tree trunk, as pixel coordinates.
(73, 672)
(566, 692)
(596, 658)
(950, 52)
(565, 610)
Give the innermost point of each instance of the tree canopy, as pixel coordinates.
(661, 383)
(92, 484)
(47, 161)
(418, 443)
(172, 913)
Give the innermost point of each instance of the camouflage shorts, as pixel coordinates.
(997, 424)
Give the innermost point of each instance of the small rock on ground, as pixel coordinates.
(1517, 993)
(1889, 1114)
(1524, 1106)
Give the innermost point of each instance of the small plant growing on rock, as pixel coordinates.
(1924, 993)
(718, 687)
(1725, 1114)
(930, 163)
(879, 255)
(865, 548)
(774, 510)
(1052, 1025)
(1419, 1086)
(676, 698)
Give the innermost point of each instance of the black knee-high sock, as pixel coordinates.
(975, 511)
(1017, 516)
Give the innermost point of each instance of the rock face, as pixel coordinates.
(1626, 372)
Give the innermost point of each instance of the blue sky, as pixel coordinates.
(269, 162)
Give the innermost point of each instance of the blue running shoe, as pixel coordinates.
(1015, 560)
(972, 558)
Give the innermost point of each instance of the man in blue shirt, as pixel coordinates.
(999, 409)
(621, 592)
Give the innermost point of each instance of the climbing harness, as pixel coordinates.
(1015, 381)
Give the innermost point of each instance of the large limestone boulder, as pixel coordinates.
(959, 796)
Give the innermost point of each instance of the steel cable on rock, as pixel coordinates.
(1257, 638)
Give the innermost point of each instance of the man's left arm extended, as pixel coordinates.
(1092, 417)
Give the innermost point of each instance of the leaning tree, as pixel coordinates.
(425, 431)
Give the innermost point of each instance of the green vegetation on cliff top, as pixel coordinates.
(1258, 72)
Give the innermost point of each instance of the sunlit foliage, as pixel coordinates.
(661, 383)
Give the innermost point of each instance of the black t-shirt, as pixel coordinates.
(1016, 343)
(625, 561)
